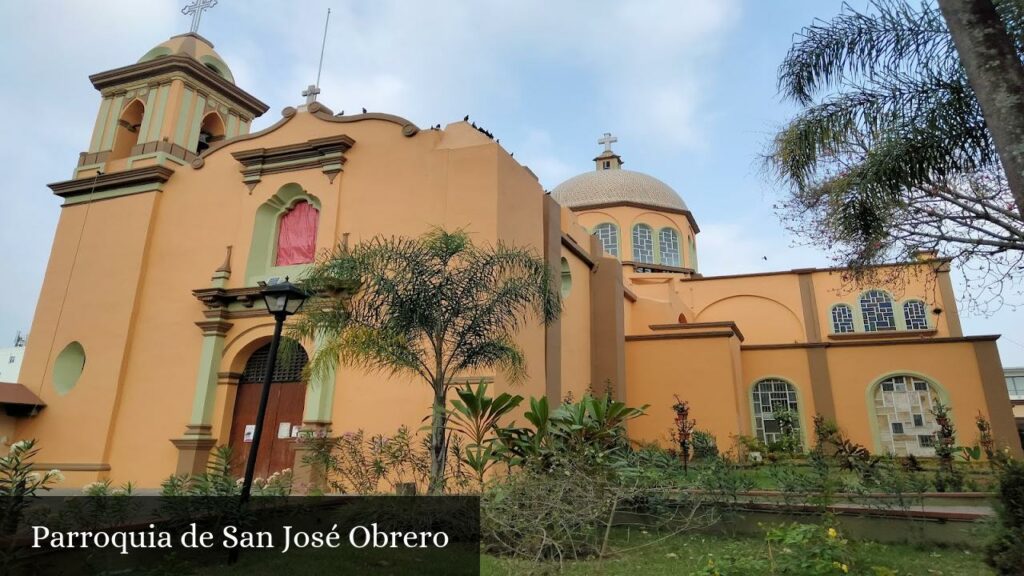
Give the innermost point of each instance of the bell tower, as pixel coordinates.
(175, 102)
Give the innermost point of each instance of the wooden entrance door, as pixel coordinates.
(284, 413)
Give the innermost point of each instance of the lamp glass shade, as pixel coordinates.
(283, 298)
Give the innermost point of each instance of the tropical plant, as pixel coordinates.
(593, 428)
(19, 483)
(432, 307)
(476, 416)
(891, 153)
(797, 549)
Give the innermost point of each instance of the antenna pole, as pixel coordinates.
(320, 68)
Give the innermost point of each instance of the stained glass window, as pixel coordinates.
(608, 234)
(842, 319)
(903, 415)
(876, 309)
(668, 244)
(643, 244)
(772, 395)
(915, 315)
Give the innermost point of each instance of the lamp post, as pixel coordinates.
(282, 300)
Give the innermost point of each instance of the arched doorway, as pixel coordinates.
(284, 411)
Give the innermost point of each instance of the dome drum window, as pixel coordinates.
(668, 245)
(608, 234)
(643, 244)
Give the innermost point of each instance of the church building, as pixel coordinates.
(149, 340)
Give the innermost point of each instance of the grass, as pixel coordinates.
(683, 554)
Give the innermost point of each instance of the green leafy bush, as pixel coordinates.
(1005, 552)
(705, 446)
(792, 549)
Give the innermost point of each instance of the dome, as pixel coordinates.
(193, 46)
(612, 185)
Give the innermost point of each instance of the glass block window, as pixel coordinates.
(898, 402)
(876, 308)
(290, 362)
(915, 316)
(668, 245)
(643, 244)
(608, 234)
(842, 319)
(772, 395)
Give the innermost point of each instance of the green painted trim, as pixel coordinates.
(232, 128)
(243, 128)
(101, 122)
(206, 381)
(108, 194)
(869, 396)
(159, 114)
(111, 126)
(806, 422)
(186, 107)
(320, 396)
(197, 119)
(147, 116)
(264, 234)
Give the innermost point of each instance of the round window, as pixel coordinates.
(68, 367)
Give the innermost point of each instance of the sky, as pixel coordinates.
(687, 86)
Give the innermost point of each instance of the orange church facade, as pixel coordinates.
(149, 328)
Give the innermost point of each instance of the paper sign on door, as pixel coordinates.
(284, 430)
(250, 431)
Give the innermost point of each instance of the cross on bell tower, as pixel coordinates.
(608, 160)
(196, 9)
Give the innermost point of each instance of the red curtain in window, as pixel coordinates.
(296, 235)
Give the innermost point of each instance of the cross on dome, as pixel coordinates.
(607, 141)
(196, 9)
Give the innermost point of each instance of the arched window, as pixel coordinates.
(668, 246)
(643, 244)
(296, 235)
(608, 234)
(876, 309)
(842, 319)
(903, 411)
(914, 315)
(772, 396)
(126, 135)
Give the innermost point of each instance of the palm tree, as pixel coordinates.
(890, 149)
(434, 306)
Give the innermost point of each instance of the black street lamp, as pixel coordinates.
(282, 299)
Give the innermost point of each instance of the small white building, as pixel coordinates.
(10, 363)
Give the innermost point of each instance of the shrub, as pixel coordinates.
(1005, 552)
(705, 447)
(797, 549)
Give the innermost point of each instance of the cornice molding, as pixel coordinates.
(184, 65)
(328, 154)
(156, 175)
(628, 204)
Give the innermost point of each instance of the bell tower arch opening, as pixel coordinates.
(211, 130)
(127, 131)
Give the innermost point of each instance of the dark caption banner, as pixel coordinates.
(213, 535)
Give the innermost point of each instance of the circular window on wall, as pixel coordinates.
(68, 367)
(566, 278)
